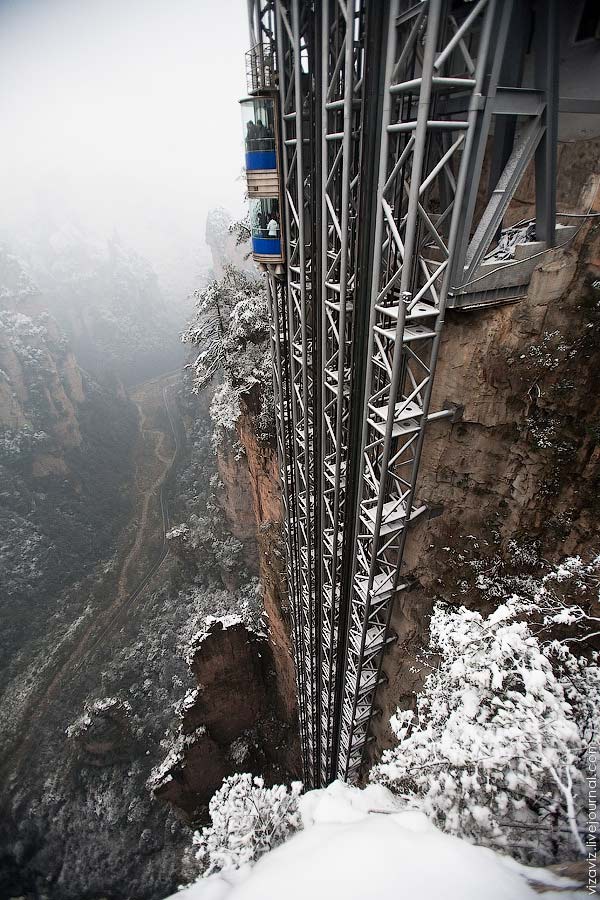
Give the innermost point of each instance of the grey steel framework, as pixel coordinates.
(424, 155)
(341, 116)
(295, 55)
(386, 112)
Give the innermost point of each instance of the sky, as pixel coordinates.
(122, 114)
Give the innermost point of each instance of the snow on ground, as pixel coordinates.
(359, 844)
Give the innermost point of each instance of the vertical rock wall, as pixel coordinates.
(252, 504)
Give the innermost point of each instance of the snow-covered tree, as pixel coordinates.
(496, 751)
(208, 331)
(242, 231)
(231, 330)
(248, 819)
(230, 312)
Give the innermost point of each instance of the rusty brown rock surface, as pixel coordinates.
(232, 723)
(230, 672)
(252, 505)
(237, 501)
(266, 500)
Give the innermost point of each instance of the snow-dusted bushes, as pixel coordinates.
(224, 411)
(248, 820)
(231, 329)
(496, 751)
(205, 540)
(15, 442)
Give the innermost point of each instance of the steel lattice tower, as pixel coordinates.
(386, 111)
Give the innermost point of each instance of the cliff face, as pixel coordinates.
(259, 469)
(516, 479)
(251, 495)
(238, 502)
(242, 715)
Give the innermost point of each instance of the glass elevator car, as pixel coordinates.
(265, 227)
(259, 117)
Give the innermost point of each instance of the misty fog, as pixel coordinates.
(120, 116)
(122, 145)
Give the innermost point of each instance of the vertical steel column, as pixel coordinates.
(410, 284)
(346, 713)
(282, 399)
(292, 24)
(341, 111)
(546, 78)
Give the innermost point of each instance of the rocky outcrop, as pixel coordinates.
(103, 735)
(229, 722)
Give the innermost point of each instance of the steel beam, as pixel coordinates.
(546, 77)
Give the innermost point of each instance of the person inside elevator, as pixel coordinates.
(262, 135)
(250, 135)
(273, 227)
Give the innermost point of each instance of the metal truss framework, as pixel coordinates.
(341, 110)
(424, 161)
(388, 238)
(294, 23)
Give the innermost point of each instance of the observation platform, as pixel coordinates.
(504, 279)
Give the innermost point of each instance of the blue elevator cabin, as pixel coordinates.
(259, 118)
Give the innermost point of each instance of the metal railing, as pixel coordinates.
(261, 68)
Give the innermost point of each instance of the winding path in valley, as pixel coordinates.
(105, 621)
(147, 495)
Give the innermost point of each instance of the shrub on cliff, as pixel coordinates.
(497, 750)
(231, 330)
(248, 820)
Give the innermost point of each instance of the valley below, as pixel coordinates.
(44, 769)
(145, 649)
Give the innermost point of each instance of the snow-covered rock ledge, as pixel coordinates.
(357, 844)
